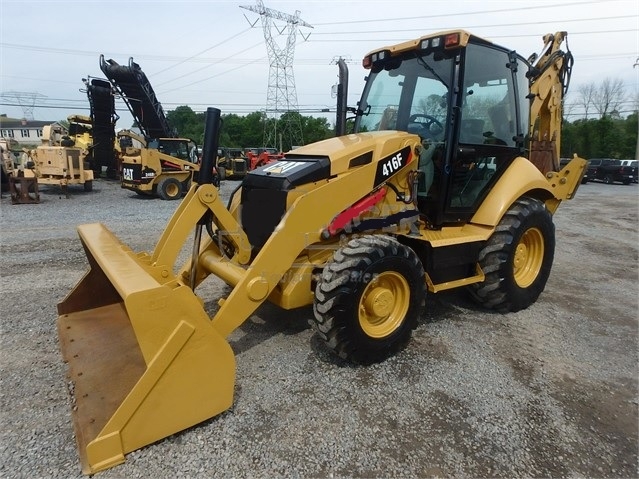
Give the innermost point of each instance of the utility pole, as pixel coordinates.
(281, 94)
(637, 146)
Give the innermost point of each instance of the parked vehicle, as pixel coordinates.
(231, 163)
(634, 164)
(610, 171)
(261, 156)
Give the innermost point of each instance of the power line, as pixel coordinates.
(203, 51)
(468, 27)
(442, 15)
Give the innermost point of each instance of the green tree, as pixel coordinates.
(629, 137)
(187, 123)
(316, 129)
(253, 130)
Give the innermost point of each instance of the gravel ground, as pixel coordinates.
(546, 392)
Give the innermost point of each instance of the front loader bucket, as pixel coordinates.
(143, 360)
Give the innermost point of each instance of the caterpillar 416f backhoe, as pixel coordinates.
(450, 180)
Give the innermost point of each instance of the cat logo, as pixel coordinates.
(282, 166)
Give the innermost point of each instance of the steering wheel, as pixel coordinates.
(428, 126)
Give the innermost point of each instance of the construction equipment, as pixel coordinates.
(163, 167)
(261, 156)
(165, 164)
(9, 149)
(436, 189)
(103, 120)
(23, 190)
(231, 163)
(58, 161)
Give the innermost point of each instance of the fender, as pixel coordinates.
(522, 178)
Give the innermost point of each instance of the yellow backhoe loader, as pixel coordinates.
(450, 180)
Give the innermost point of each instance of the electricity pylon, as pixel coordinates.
(281, 95)
(25, 100)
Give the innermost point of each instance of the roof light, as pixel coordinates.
(367, 62)
(451, 40)
(424, 44)
(436, 42)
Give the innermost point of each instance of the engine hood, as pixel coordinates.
(350, 151)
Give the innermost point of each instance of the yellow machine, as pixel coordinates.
(162, 167)
(231, 163)
(450, 180)
(9, 155)
(80, 131)
(62, 159)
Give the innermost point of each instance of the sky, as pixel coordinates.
(213, 53)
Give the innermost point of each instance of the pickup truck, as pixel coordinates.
(634, 164)
(609, 171)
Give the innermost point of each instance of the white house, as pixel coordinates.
(25, 132)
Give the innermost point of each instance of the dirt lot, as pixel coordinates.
(551, 391)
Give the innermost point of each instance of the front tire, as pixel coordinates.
(169, 188)
(517, 258)
(369, 299)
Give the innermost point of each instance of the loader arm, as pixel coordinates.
(199, 200)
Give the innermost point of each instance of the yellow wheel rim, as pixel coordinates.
(529, 256)
(384, 304)
(172, 190)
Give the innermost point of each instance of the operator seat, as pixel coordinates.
(429, 164)
(472, 131)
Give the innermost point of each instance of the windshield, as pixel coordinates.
(411, 97)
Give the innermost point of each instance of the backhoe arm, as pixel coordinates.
(549, 79)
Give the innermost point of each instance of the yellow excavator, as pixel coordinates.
(450, 179)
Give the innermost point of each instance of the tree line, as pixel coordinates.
(248, 131)
(607, 127)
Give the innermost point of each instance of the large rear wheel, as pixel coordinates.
(517, 258)
(369, 298)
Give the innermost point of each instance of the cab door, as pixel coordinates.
(490, 128)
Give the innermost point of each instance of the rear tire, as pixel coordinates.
(517, 258)
(369, 298)
(88, 186)
(169, 188)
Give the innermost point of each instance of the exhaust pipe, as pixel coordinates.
(205, 176)
(342, 98)
(211, 145)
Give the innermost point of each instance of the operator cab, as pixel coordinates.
(466, 99)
